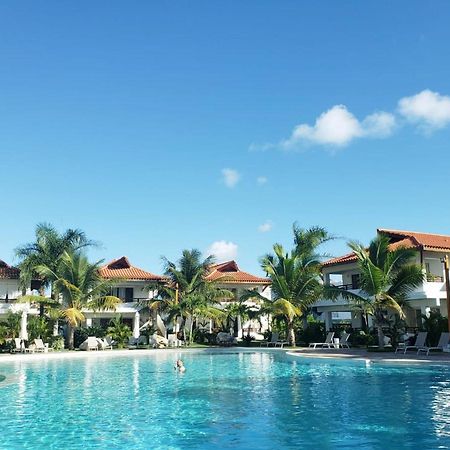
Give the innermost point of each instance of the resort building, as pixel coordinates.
(430, 249)
(10, 290)
(229, 276)
(131, 287)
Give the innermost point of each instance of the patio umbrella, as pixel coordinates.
(136, 332)
(23, 326)
(160, 325)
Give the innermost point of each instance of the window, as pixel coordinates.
(129, 294)
(355, 281)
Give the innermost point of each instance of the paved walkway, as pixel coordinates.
(357, 353)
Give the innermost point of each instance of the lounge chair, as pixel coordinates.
(420, 343)
(274, 340)
(443, 343)
(109, 341)
(343, 341)
(328, 341)
(91, 343)
(173, 341)
(19, 348)
(39, 346)
(225, 339)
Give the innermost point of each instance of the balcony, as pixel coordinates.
(431, 278)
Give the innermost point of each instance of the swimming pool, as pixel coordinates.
(260, 400)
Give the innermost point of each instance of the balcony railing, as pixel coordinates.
(431, 278)
(347, 287)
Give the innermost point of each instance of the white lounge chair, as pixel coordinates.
(39, 346)
(108, 343)
(343, 341)
(420, 343)
(274, 340)
(328, 341)
(91, 343)
(443, 343)
(225, 339)
(19, 348)
(173, 340)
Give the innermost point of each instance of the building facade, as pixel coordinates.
(430, 249)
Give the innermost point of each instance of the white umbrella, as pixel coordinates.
(160, 325)
(136, 332)
(23, 326)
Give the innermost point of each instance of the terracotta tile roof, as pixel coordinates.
(121, 268)
(426, 241)
(408, 239)
(8, 272)
(349, 257)
(229, 272)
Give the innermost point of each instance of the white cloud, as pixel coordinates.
(230, 177)
(428, 109)
(223, 250)
(379, 125)
(338, 127)
(265, 227)
(262, 180)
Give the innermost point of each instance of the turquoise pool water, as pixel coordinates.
(258, 400)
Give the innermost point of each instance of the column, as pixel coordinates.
(328, 320)
(136, 325)
(239, 326)
(89, 321)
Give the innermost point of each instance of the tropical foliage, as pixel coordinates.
(79, 284)
(295, 276)
(119, 331)
(48, 247)
(187, 295)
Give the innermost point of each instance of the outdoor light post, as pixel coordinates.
(447, 286)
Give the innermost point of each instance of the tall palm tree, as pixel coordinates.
(81, 287)
(295, 276)
(187, 294)
(48, 247)
(387, 276)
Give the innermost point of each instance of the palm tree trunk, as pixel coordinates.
(70, 336)
(41, 305)
(291, 333)
(380, 336)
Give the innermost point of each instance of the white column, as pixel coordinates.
(328, 320)
(210, 325)
(239, 326)
(89, 321)
(136, 325)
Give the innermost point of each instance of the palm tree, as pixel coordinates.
(387, 276)
(295, 276)
(48, 247)
(187, 294)
(81, 287)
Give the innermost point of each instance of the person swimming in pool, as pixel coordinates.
(179, 365)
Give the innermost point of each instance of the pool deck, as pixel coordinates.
(312, 353)
(411, 357)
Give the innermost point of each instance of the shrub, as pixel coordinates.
(434, 323)
(56, 342)
(315, 332)
(82, 333)
(120, 332)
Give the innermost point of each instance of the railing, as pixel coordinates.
(347, 287)
(134, 299)
(431, 278)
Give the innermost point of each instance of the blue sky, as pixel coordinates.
(120, 118)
